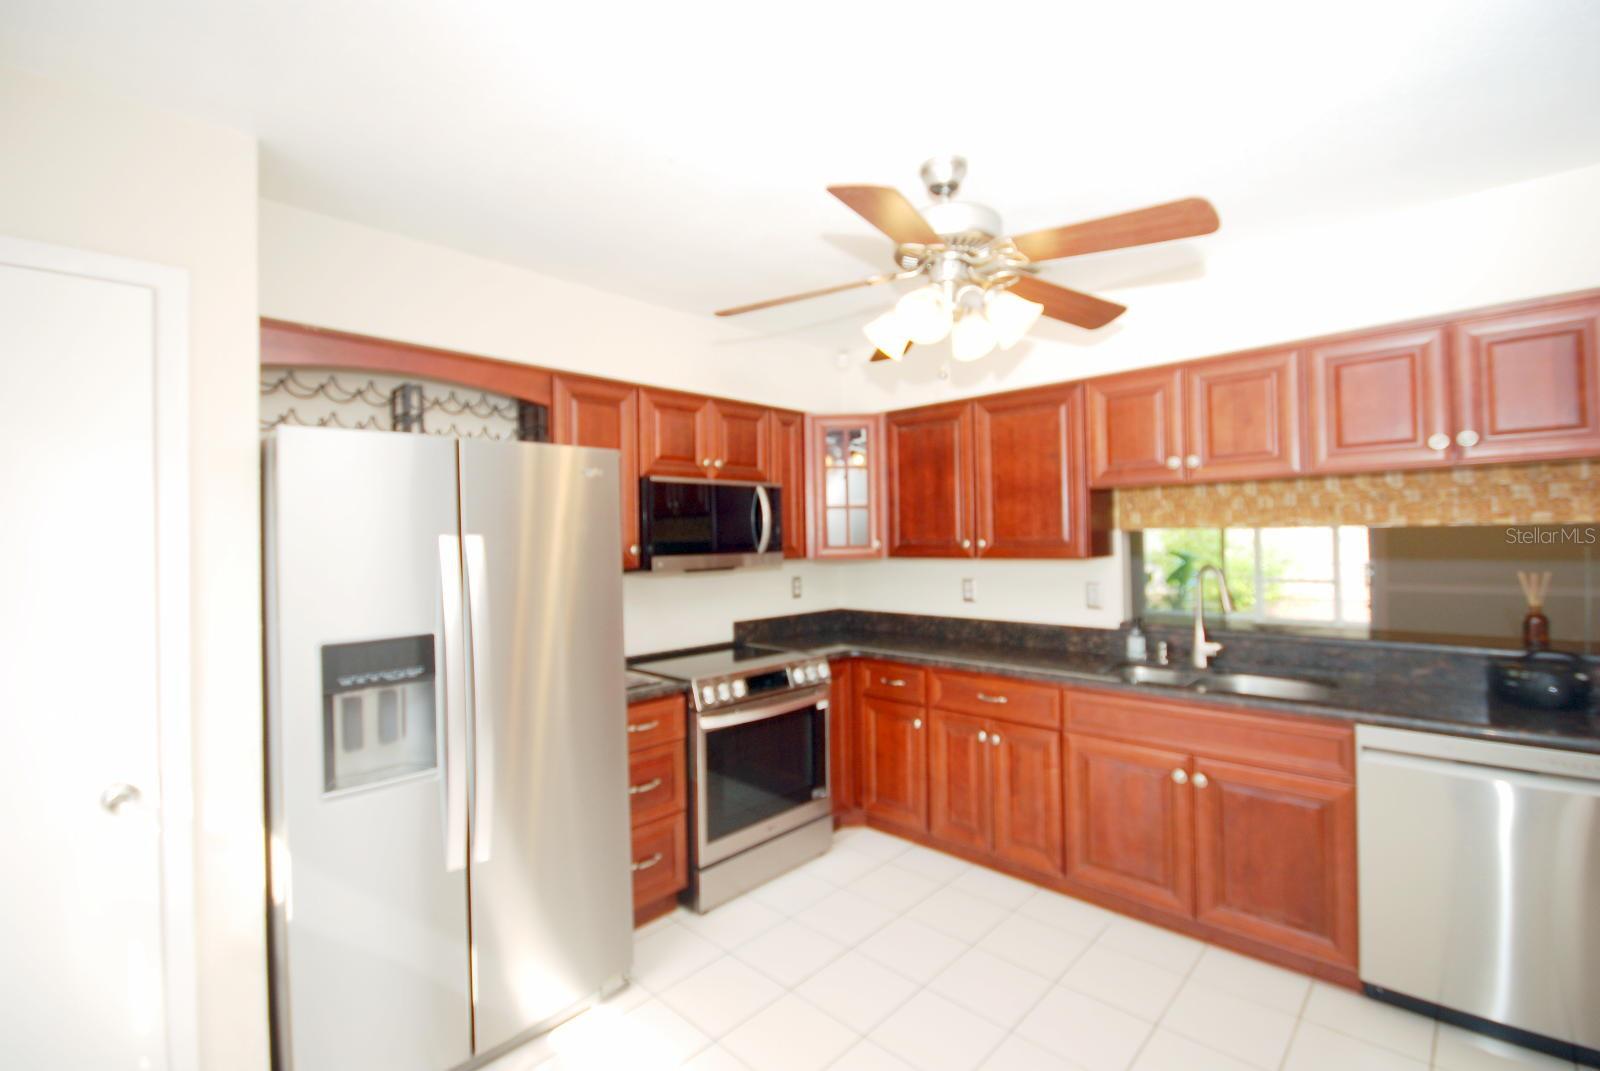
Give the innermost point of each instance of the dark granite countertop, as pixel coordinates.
(642, 686)
(1403, 693)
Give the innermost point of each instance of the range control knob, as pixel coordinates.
(739, 689)
(823, 671)
(708, 695)
(724, 692)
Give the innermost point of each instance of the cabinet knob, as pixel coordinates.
(983, 737)
(1439, 441)
(916, 723)
(705, 462)
(633, 548)
(994, 738)
(1180, 776)
(877, 544)
(717, 463)
(982, 543)
(1467, 437)
(1201, 780)
(1174, 462)
(966, 544)
(1192, 461)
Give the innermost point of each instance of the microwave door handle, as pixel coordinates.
(482, 814)
(450, 674)
(765, 502)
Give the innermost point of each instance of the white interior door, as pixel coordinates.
(81, 981)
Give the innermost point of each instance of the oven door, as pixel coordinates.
(760, 771)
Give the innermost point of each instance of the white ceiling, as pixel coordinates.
(677, 153)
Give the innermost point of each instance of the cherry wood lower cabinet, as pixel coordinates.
(843, 741)
(658, 802)
(1130, 822)
(1027, 786)
(959, 792)
(894, 762)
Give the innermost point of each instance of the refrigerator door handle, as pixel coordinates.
(766, 518)
(455, 725)
(482, 819)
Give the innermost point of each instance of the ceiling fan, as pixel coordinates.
(982, 288)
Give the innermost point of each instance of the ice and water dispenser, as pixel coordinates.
(378, 716)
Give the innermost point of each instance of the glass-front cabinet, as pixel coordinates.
(847, 498)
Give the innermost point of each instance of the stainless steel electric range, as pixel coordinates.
(761, 802)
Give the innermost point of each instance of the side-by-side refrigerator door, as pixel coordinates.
(551, 890)
(367, 752)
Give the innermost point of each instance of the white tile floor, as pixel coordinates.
(887, 955)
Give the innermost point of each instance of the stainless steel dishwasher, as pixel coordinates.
(1480, 885)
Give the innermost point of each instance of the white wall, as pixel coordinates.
(1525, 240)
(332, 273)
(91, 171)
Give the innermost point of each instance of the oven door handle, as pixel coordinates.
(761, 712)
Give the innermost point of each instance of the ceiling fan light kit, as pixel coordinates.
(982, 288)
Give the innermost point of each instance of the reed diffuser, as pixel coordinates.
(1535, 626)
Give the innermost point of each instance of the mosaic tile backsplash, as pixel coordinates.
(1556, 492)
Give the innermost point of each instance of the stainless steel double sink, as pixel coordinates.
(1254, 685)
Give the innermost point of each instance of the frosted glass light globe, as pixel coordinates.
(924, 315)
(1012, 316)
(972, 337)
(888, 335)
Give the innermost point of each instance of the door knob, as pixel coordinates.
(118, 796)
(1439, 441)
(1180, 776)
(1467, 437)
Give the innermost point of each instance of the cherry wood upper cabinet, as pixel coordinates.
(894, 762)
(1275, 858)
(1031, 478)
(1129, 822)
(741, 442)
(594, 412)
(789, 470)
(958, 780)
(1027, 796)
(1244, 417)
(930, 481)
(1379, 402)
(1136, 428)
(847, 493)
(1528, 384)
(675, 437)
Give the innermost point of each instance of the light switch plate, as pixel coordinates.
(794, 586)
(967, 592)
(1091, 594)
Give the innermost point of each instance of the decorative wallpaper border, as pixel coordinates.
(1555, 492)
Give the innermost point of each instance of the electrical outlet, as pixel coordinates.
(1091, 594)
(794, 586)
(967, 593)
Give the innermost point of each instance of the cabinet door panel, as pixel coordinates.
(844, 741)
(895, 762)
(1027, 796)
(1528, 384)
(958, 779)
(1244, 418)
(789, 469)
(930, 480)
(1129, 822)
(1032, 482)
(1275, 859)
(1375, 402)
(593, 412)
(847, 491)
(674, 434)
(1135, 428)
(742, 435)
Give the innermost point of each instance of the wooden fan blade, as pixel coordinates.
(879, 355)
(1161, 223)
(887, 209)
(873, 281)
(1082, 310)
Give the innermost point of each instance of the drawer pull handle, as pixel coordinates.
(896, 683)
(985, 698)
(646, 864)
(644, 726)
(1201, 780)
(649, 786)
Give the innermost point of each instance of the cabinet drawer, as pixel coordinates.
(655, 722)
(997, 697)
(1294, 744)
(656, 780)
(660, 859)
(890, 680)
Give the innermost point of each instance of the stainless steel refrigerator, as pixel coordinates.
(446, 745)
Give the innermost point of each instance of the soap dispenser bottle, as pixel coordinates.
(1136, 650)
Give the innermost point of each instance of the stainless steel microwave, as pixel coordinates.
(699, 525)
